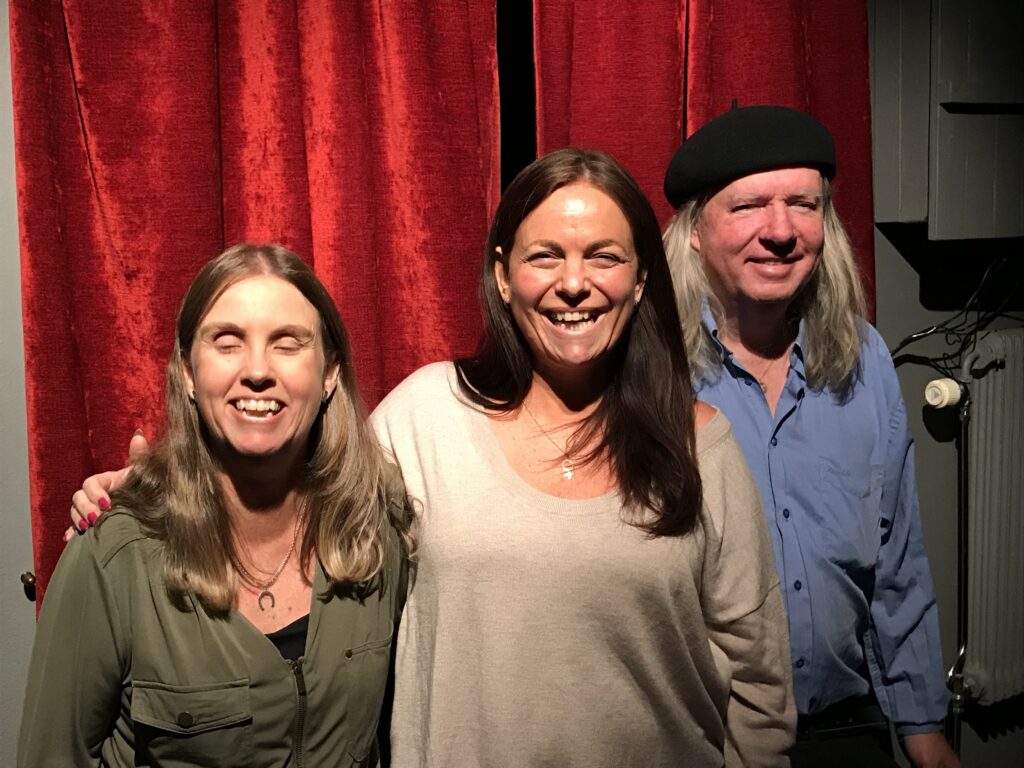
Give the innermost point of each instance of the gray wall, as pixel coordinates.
(16, 626)
(900, 110)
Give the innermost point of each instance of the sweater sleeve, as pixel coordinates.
(744, 613)
(78, 667)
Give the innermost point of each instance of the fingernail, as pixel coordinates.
(91, 517)
(83, 525)
(104, 504)
(138, 432)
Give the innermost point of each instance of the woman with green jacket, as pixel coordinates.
(236, 606)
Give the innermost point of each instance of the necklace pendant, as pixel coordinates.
(567, 469)
(266, 593)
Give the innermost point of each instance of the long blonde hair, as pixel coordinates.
(831, 303)
(354, 495)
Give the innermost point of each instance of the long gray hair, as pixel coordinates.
(831, 303)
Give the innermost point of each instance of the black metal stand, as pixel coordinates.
(955, 677)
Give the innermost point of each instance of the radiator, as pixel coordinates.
(994, 662)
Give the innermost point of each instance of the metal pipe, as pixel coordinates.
(955, 677)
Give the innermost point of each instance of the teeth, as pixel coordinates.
(572, 317)
(258, 406)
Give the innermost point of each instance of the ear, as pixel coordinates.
(695, 237)
(638, 292)
(187, 375)
(331, 381)
(501, 276)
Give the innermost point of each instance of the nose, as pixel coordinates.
(257, 373)
(573, 282)
(778, 234)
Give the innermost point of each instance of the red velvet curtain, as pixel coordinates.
(360, 133)
(634, 78)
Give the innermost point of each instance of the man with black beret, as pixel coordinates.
(772, 310)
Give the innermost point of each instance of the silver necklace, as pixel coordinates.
(764, 374)
(264, 587)
(568, 465)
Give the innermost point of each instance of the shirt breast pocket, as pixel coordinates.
(850, 515)
(203, 725)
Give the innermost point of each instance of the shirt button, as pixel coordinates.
(185, 719)
(798, 585)
(348, 654)
(785, 513)
(799, 664)
(774, 441)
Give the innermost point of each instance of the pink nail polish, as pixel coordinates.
(83, 525)
(92, 517)
(103, 504)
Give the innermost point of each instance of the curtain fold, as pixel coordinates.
(363, 134)
(149, 136)
(610, 77)
(635, 79)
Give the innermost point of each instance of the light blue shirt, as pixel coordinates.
(839, 491)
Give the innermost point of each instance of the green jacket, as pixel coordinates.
(120, 676)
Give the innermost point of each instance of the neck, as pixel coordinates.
(761, 330)
(262, 506)
(560, 397)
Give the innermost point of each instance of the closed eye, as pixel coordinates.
(605, 259)
(227, 342)
(542, 258)
(808, 205)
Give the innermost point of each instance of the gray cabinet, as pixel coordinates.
(949, 116)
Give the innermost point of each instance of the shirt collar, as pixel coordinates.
(796, 357)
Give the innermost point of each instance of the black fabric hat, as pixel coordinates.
(746, 140)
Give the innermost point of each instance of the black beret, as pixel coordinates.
(746, 140)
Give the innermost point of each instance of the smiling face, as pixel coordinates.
(258, 370)
(760, 237)
(572, 279)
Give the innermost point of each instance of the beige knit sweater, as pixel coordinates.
(543, 631)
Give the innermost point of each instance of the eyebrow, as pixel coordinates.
(298, 331)
(753, 196)
(591, 248)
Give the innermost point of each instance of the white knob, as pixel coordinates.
(941, 393)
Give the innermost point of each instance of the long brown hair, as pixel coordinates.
(644, 423)
(353, 494)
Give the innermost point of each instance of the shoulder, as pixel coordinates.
(115, 552)
(718, 451)
(876, 370)
(703, 414)
(430, 381)
(727, 485)
(119, 534)
(719, 454)
(872, 344)
(423, 406)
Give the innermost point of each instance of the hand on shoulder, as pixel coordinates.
(93, 499)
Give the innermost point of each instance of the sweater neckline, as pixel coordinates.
(486, 444)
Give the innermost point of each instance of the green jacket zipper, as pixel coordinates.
(300, 711)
